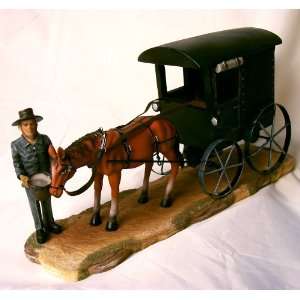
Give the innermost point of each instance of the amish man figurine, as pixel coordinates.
(31, 154)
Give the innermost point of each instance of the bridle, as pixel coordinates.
(68, 167)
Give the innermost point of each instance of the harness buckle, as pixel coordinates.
(103, 142)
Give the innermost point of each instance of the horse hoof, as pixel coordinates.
(143, 198)
(165, 203)
(95, 220)
(112, 224)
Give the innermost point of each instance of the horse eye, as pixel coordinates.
(66, 169)
(63, 171)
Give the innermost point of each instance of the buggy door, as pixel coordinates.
(227, 86)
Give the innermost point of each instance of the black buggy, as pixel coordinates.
(224, 111)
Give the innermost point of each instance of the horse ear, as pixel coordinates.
(61, 153)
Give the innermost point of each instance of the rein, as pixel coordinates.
(100, 154)
(91, 180)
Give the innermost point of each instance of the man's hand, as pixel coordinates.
(25, 181)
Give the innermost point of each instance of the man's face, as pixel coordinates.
(29, 128)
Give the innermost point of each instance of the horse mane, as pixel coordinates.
(78, 143)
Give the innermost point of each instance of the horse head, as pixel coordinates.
(61, 171)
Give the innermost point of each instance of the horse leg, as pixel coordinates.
(96, 218)
(114, 182)
(167, 201)
(144, 197)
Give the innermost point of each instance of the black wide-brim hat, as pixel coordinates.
(26, 114)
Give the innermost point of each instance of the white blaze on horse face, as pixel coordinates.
(55, 189)
(58, 179)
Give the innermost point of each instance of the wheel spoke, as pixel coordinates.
(282, 128)
(222, 168)
(264, 129)
(279, 147)
(234, 166)
(269, 158)
(213, 171)
(218, 183)
(271, 142)
(261, 147)
(228, 157)
(263, 137)
(226, 163)
(219, 159)
(228, 180)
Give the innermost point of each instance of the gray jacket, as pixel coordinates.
(30, 159)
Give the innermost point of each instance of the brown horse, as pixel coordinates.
(125, 147)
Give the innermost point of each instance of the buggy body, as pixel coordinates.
(226, 98)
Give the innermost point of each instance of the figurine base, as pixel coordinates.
(82, 250)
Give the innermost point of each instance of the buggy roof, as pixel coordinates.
(212, 48)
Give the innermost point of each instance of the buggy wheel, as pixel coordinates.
(161, 166)
(221, 168)
(269, 139)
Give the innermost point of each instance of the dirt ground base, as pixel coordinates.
(82, 250)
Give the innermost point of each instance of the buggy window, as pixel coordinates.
(227, 85)
(193, 84)
(227, 79)
(185, 84)
(174, 77)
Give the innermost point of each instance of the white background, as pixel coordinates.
(79, 70)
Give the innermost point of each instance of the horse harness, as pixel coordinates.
(128, 148)
(156, 143)
(126, 145)
(124, 140)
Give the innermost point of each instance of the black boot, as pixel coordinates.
(54, 228)
(41, 236)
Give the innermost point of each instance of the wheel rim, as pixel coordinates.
(221, 168)
(271, 133)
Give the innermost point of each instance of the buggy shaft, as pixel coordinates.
(143, 161)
